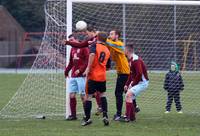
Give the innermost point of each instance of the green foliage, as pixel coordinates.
(29, 13)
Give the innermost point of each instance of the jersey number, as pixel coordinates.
(102, 57)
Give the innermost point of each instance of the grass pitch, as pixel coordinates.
(151, 121)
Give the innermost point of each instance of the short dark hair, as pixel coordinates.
(91, 29)
(102, 36)
(80, 36)
(117, 32)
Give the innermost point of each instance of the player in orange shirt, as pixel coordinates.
(96, 75)
(137, 82)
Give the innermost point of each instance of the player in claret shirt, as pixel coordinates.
(137, 82)
(78, 64)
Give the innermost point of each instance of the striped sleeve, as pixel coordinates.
(116, 45)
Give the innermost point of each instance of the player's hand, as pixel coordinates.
(125, 88)
(77, 72)
(64, 42)
(86, 72)
(90, 42)
(130, 85)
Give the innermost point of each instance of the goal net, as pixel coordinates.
(161, 33)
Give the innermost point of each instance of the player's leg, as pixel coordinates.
(130, 107)
(72, 90)
(81, 81)
(131, 95)
(104, 109)
(73, 103)
(121, 81)
(169, 101)
(88, 103)
(88, 106)
(142, 87)
(177, 102)
(98, 102)
(104, 104)
(83, 99)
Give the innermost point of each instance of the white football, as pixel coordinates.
(81, 25)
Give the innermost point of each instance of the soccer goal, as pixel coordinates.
(161, 30)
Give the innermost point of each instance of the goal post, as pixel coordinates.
(69, 31)
(160, 36)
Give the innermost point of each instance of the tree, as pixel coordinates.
(29, 13)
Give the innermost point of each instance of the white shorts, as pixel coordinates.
(76, 85)
(140, 87)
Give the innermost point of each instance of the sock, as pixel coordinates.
(84, 108)
(130, 111)
(104, 106)
(88, 107)
(98, 99)
(73, 106)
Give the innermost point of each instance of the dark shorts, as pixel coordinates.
(94, 86)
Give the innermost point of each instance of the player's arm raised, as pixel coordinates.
(117, 46)
(79, 44)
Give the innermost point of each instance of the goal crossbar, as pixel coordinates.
(144, 2)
